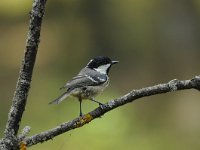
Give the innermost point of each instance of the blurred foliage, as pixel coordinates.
(155, 41)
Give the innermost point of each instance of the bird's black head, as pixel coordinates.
(101, 64)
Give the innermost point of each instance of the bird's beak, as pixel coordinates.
(114, 62)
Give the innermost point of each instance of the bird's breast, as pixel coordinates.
(89, 91)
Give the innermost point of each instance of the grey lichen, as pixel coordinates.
(24, 82)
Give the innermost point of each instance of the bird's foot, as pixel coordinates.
(81, 115)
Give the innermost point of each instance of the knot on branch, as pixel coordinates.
(173, 84)
(196, 82)
(111, 104)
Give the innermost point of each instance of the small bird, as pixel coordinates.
(90, 81)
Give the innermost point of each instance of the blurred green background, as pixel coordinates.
(155, 41)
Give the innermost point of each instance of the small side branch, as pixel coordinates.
(173, 85)
(25, 75)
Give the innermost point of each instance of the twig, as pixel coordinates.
(25, 75)
(173, 85)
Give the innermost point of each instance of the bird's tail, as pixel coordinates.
(60, 98)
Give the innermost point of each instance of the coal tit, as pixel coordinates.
(90, 81)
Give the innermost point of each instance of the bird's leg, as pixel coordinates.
(95, 101)
(80, 101)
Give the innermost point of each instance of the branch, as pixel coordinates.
(173, 85)
(25, 75)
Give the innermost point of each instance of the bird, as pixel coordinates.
(89, 82)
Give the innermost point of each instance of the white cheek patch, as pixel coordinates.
(103, 68)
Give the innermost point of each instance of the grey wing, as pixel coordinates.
(69, 82)
(85, 80)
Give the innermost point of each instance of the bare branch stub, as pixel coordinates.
(173, 85)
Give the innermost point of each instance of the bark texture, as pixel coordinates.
(25, 75)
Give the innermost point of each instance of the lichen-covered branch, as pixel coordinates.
(173, 85)
(25, 75)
